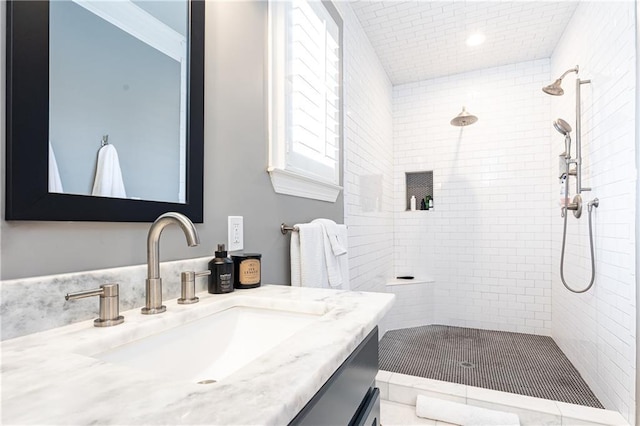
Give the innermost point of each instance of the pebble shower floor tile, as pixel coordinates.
(524, 364)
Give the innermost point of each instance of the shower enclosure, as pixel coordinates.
(488, 257)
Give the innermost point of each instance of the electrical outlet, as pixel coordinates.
(235, 233)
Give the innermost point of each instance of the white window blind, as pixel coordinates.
(305, 91)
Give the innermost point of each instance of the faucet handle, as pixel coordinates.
(188, 293)
(109, 313)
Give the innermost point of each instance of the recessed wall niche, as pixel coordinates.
(420, 185)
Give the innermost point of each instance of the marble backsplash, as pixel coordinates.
(33, 304)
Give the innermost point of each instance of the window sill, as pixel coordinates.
(290, 183)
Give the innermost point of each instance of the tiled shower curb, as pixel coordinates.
(404, 389)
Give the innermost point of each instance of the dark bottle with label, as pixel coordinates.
(221, 267)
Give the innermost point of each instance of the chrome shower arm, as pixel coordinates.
(576, 69)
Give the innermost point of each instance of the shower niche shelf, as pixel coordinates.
(420, 185)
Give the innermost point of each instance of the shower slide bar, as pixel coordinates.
(579, 187)
(575, 205)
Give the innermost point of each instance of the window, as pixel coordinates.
(305, 91)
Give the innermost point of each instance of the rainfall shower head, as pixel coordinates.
(562, 126)
(463, 119)
(555, 88)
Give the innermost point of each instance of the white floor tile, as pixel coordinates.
(423, 383)
(395, 414)
(405, 389)
(575, 414)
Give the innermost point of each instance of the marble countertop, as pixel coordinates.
(51, 378)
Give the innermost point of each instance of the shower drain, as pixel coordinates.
(466, 364)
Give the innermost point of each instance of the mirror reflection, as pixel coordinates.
(117, 98)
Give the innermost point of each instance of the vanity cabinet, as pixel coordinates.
(349, 397)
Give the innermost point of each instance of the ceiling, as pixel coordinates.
(419, 40)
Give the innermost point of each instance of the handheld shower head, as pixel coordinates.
(555, 88)
(562, 126)
(565, 129)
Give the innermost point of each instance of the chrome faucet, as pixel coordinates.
(153, 284)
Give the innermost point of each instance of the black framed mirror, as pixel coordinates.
(30, 118)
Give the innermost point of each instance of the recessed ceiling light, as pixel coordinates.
(475, 39)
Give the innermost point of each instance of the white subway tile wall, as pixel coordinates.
(413, 306)
(486, 242)
(368, 159)
(596, 330)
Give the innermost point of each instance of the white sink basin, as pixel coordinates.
(213, 347)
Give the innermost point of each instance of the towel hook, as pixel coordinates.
(105, 140)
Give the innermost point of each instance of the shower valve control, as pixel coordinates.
(576, 206)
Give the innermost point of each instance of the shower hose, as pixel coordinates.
(590, 206)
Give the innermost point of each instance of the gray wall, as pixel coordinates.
(236, 181)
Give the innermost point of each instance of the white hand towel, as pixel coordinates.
(294, 256)
(309, 266)
(332, 232)
(108, 180)
(462, 414)
(307, 256)
(55, 184)
(333, 250)
(343, 261)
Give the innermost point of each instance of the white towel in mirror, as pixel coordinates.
(108, 180)
(55, 184)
